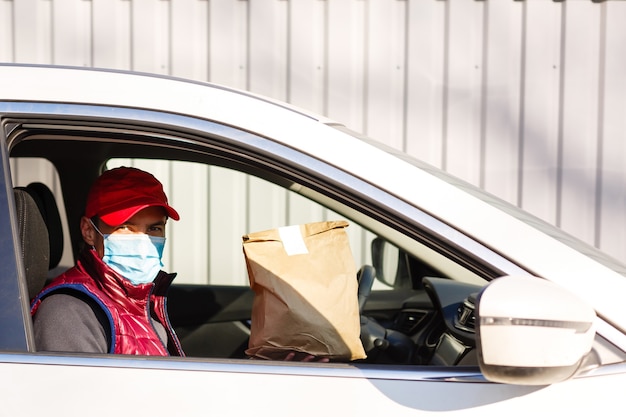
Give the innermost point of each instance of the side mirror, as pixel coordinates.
(391, 264)
(531, 331)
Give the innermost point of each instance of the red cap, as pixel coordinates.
(118, 194)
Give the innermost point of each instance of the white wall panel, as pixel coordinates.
(112, 47)
(307, 54)
(579, 119)
(502, 99)
(426, 33)
(268, 206)
(227, 202)
(6, 31)
(301, 211)
(611, 233)
(386, 69)
(151, 31)
(192, 232)
(32, 37)
(189, 55)
(71, 32)
(267, 51)
(464, 77)
(345, 73)
(228, 42)
(540, 122)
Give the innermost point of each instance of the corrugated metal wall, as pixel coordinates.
(526, 99)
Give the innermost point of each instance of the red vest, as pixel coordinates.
(127, 306)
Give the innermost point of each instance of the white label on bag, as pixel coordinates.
(292, 240)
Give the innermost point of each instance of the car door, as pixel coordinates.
(203, 385)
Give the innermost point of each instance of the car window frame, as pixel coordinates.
(257, 151)
(17, 334)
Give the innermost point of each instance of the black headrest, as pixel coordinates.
(50, 212)
(34, 238)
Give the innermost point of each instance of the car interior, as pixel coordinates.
(416, 296)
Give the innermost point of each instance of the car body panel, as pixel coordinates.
(279, 390)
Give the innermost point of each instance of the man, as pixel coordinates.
(113, 299)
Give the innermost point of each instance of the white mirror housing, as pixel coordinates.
(531, 331)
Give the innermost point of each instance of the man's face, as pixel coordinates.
(150, 221)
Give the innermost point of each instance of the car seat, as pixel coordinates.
(49, 211)
(35, 244)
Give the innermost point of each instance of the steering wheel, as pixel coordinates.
(365, 278)
(377, 340)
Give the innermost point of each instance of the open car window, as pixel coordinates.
(226, 183)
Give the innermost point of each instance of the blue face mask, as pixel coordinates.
(136, 256)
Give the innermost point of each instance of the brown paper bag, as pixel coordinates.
(304, 279)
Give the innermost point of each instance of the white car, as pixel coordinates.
(478, 308)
